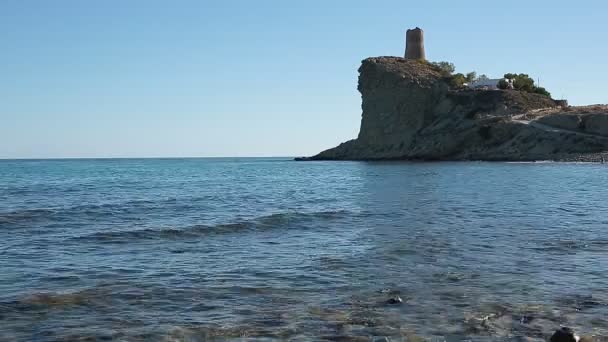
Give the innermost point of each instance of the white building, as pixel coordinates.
(491, 84)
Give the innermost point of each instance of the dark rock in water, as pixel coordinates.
(526, 319)
(564, 335)
(395, 300)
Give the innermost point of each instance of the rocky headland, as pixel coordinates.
(410, 112)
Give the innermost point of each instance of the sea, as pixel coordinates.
(269, 249)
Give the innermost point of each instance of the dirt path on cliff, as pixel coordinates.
(548, 128)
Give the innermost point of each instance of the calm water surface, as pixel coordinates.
(270, 249)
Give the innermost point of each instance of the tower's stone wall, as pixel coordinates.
(414, 44)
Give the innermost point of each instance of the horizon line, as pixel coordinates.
(158, 157)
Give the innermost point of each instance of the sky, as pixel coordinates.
(186, 78)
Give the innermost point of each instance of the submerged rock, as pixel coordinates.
(395, 300)
(526, 319)
(410, 112)
(564, 334)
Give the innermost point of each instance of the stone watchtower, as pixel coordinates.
(414, 44)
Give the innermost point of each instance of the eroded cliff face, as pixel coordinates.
(399, 99)
(409, 112)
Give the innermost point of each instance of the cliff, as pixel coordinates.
(409, 112)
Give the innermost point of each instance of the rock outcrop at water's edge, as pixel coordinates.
(410, 113)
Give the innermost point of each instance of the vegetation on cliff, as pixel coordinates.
(457, 80)
(522, 82)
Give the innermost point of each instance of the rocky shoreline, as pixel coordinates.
(410, 112)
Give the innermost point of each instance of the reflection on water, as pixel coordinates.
(269, 249)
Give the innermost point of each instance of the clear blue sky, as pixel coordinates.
(118, 78)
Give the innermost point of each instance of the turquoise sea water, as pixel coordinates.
(271, 249)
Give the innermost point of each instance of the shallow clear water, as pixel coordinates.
(200, 249)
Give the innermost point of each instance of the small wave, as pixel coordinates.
(582, 302)
(274, 221)
(30, 215)
(570, 246)
(26, 215)
(54, 299)
(111, 209)
(45, 300)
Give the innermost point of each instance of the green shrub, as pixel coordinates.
(472, 76)
(457, 80)
(542, 91)
(445, 68)
(523, 82)
(503, 84)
